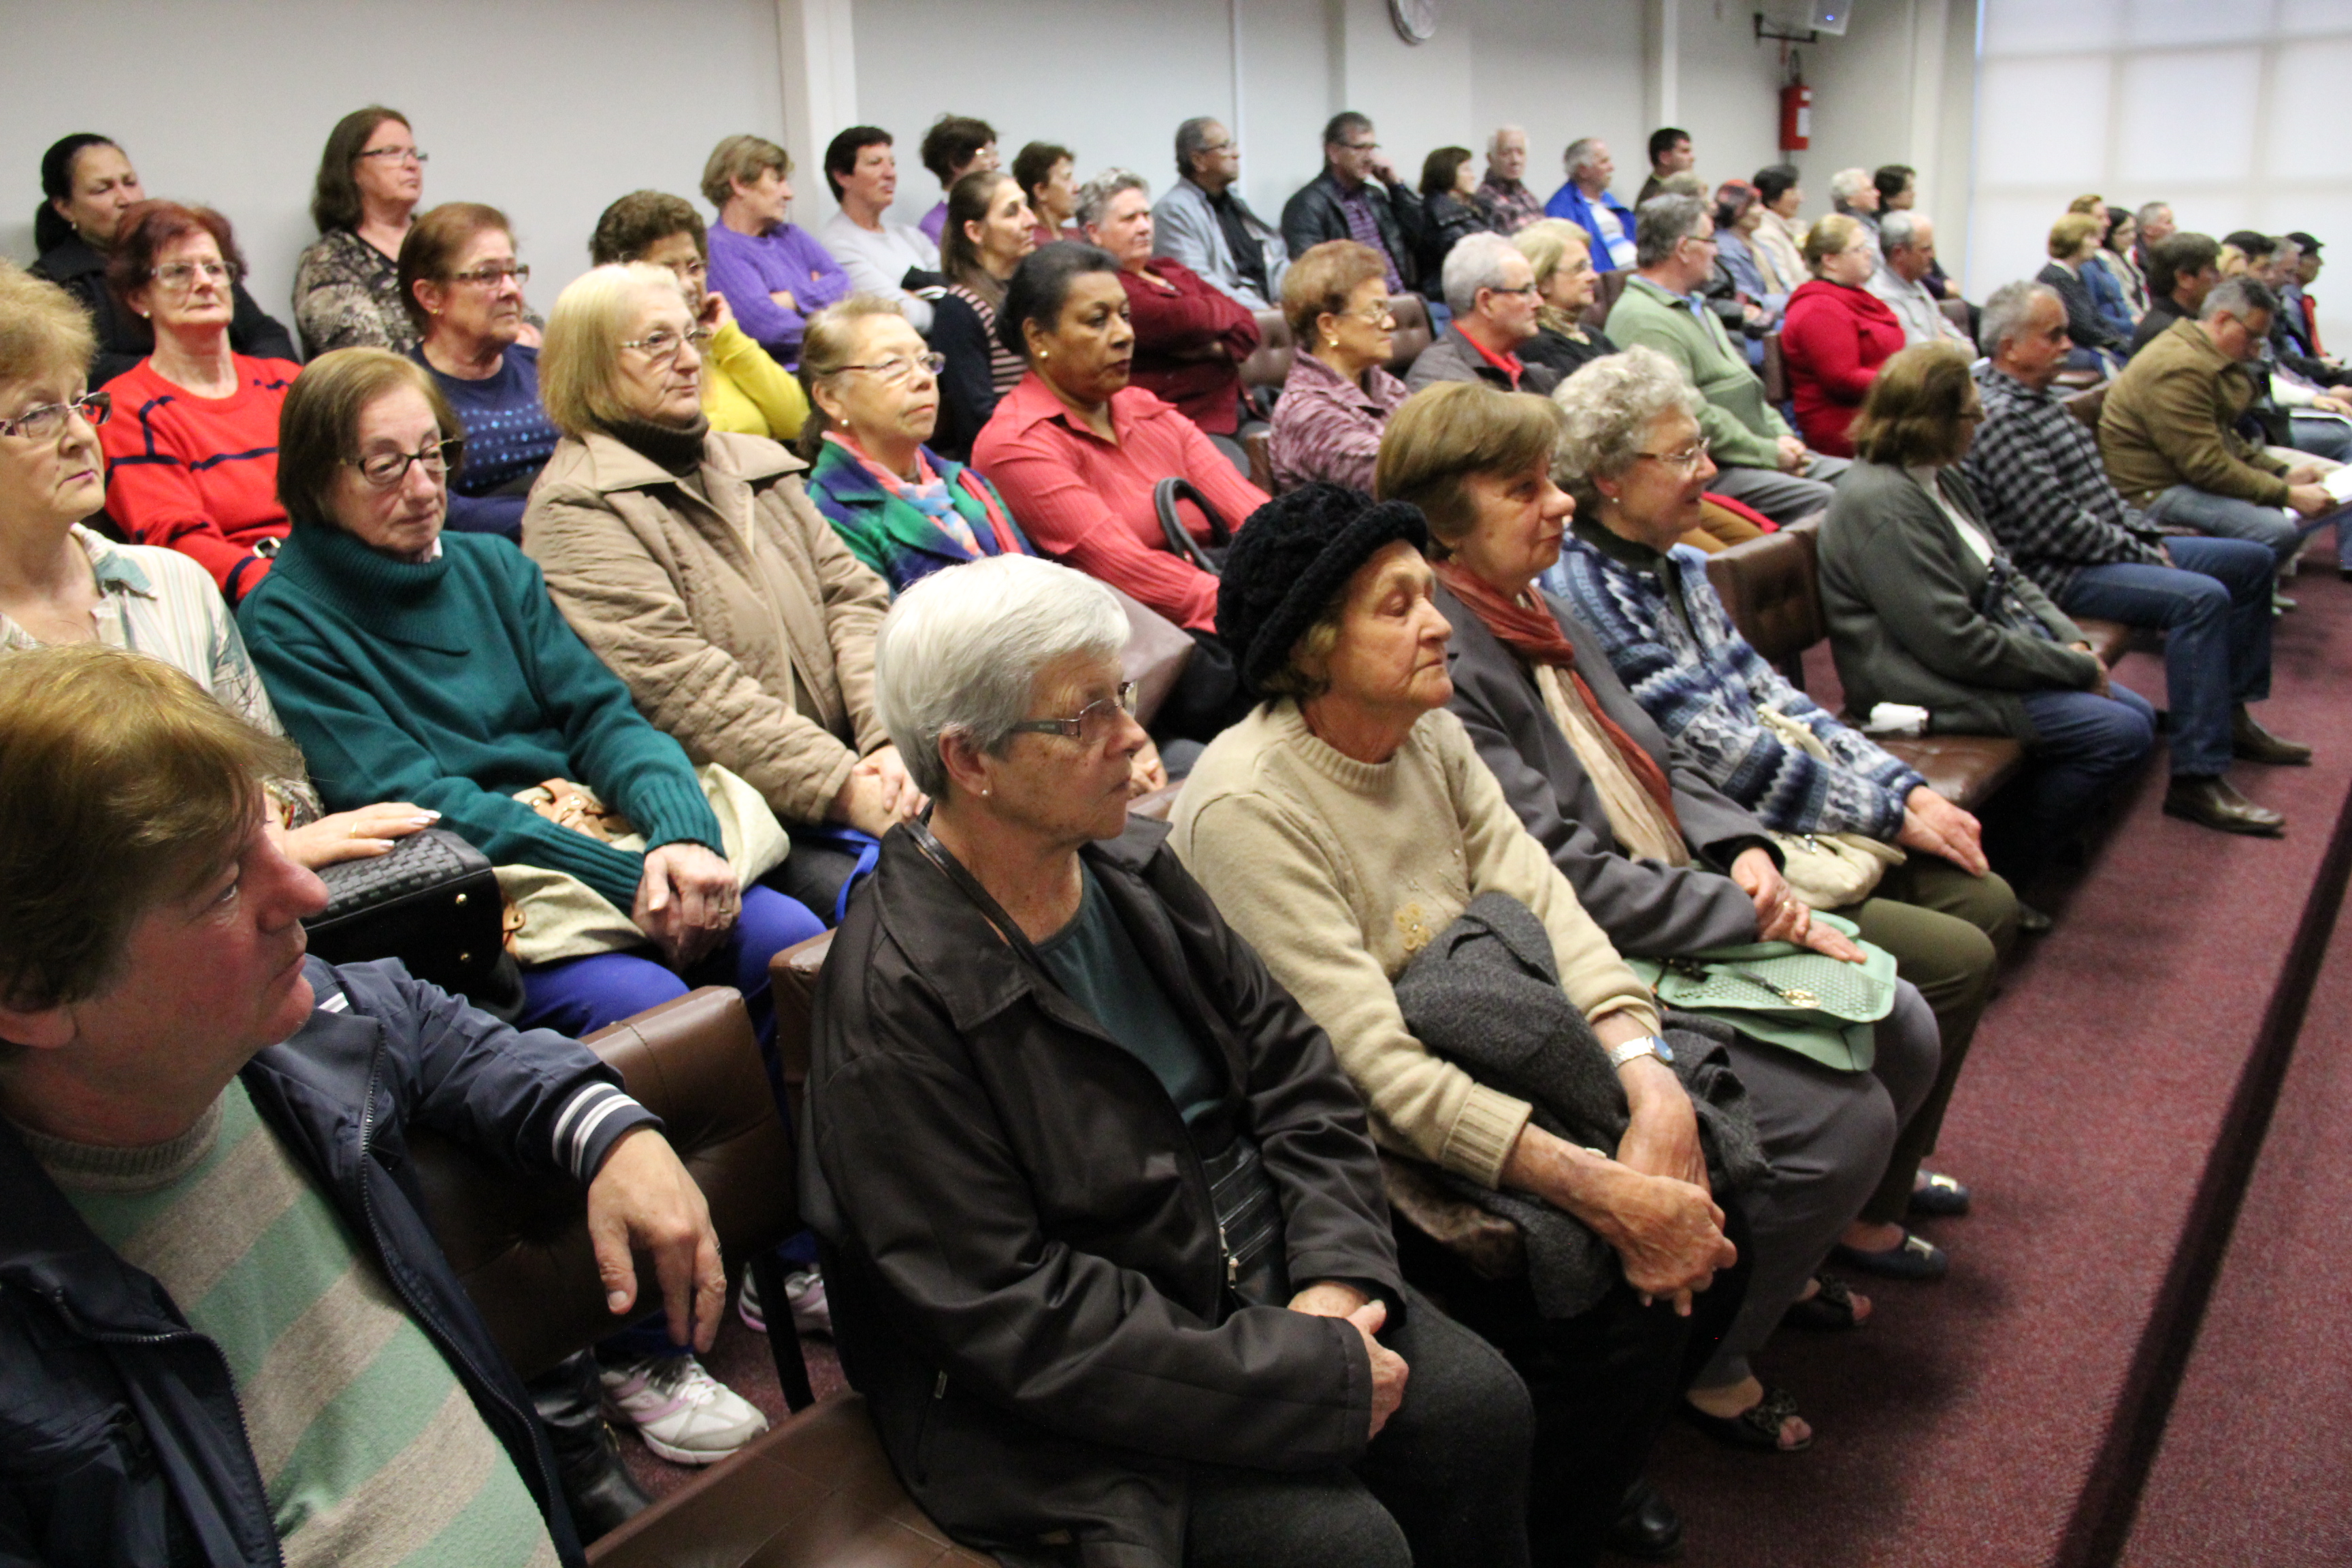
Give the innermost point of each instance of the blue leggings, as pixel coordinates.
(580, 996)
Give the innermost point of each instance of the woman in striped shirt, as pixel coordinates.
(989, 229)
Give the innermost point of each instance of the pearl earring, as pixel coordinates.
(1331, 342)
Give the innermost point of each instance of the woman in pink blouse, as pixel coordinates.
(1338, 396)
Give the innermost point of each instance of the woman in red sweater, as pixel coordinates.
(1190, 339)
(1836, 335)
(191, 452)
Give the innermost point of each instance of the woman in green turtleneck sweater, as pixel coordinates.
(694, 563)
(433, 668)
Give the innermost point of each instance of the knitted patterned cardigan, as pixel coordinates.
(1701, 681)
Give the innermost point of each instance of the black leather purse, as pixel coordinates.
(1208, 558)
(433, 904)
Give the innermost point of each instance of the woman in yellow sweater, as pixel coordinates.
(744, 390)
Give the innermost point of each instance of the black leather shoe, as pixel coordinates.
(2211, 803)
(571, 1405)
(2249, 741)
(2031, 921)
(1647, 1526)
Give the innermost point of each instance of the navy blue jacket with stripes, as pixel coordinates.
(121, 1437)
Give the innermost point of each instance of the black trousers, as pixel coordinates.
(1442, 1486)
(1604, 1383)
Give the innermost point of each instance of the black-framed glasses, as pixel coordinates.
(892, 371)
(48, 421)
(494, 274)
(1093, 723)
(396, 154)
(385, 470)
(662, 344)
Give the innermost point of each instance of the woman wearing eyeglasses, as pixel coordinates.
(463, 290)
(193, 459)
(693, 564)
(1338, 397)
(63, 583)
(346, 286)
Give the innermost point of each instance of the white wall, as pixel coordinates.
(549, 109)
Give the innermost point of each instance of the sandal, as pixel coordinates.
(1939, 1197)
(1828, 1311)
(1913, 1257)
(1757, 1428)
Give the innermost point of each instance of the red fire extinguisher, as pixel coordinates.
(1796, 117)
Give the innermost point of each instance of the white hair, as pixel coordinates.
(1095, 196)
(2007, 309)
(1581, 154)
(1477, 261)
(1607, 409)
(1495, 142)
(1897, 229)
(1848, 183)
(960, 651)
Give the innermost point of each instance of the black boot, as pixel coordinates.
(1647, 1526)
(597, 1485)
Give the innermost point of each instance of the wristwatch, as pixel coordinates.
(1647, 1045)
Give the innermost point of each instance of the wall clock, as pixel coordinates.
(1416, 20)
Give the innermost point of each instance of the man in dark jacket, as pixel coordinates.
(227, 1335)
(1358, 196)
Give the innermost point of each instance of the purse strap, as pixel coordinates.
(1180, 542)
(940, 856)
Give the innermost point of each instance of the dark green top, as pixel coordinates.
(453, 683)
(1097, 964)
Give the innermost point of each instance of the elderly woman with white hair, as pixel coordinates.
(693, 564)
(1491, 289)
(1190, 336)
(1632, 456)
(1102, 1211)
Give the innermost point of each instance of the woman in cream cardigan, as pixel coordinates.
(1340, 828)
(693, 564)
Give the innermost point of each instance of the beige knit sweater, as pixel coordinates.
(1338, 871)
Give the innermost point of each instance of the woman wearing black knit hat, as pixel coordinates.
(1342, 828)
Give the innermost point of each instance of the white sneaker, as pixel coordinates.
(805, 1288)
(684, 1414)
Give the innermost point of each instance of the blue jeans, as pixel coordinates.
(2215, 612)
(580, 996)
(2083, 744)
(2183, 505)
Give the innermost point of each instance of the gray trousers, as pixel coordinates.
(1445, 1484)
(1828, 1135)
(1783, 498)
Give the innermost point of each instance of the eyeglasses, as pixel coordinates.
(1378, 311)
(385, 470)
(1531, 290)
(1095, 723)
(397, 154)
(662, 344)
(1219, 147)
(892, 371)
(1359, 146)
(180, 276)
(496, 273)
(48, 421)
(693, 271)
(1688, 459)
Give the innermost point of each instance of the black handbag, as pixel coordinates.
(1208, 558)
(433, 903)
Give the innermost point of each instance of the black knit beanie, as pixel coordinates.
(1292, 559)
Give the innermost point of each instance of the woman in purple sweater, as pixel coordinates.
(773, 273)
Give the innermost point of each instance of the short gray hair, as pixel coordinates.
(1897, 229)
(2242, 297)
(1191, 137)
(1580, 153)
(1094, 196)
(1661, 224)
(960, 651)
(1606, 412)
(2005, 314)
(2148, 211)
(1495, 142)
(1848, 183)
(1476, 262)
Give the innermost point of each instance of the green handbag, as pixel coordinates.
(1818, 1006)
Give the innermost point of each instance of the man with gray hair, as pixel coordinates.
(2155, 223)
(1503, 194)
(1762, 462)
(2038, 479)
(1490, 287)
(1358, 196)
(1907, 256)
(1585, 201)
(1204, 223)
(2167, 430)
